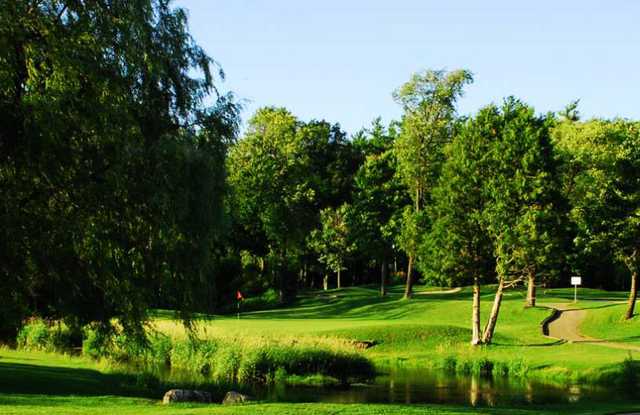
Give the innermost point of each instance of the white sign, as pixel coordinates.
(576, 280)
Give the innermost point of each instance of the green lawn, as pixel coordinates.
(609, 323)
(430, 328)
(44, 383)
(418, 332)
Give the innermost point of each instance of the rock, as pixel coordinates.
(234, 398)
(364, 344)
(185, 395)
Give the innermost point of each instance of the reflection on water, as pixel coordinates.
(427, 386)
(423, 386)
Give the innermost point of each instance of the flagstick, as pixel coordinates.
(238, 303)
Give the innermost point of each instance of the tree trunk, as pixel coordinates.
(531, 290)
(475, 314)
(325, 281)
(383, 278)
(339, 282)
(493, 318)
(632, 295)
(408, 289)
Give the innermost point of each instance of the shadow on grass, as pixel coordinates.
(354, 302)
(21, 378)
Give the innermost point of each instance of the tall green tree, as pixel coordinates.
(267, 175)
(496, 204)
(428, 100)
(378, 200)
(604, 189)
(523, 215)
(458, 250)
(111, 164)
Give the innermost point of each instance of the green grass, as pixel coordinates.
(430, 329)
(423, 332)
(45, 383)
(609, 323)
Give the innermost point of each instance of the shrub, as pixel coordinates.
(39, 335)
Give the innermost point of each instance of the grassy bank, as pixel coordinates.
(432, 330)
(45, 383)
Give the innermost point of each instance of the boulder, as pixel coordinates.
(185, 395)
(234, 398)
(364, 344)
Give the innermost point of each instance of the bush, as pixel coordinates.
(40, 335)
(92, 345)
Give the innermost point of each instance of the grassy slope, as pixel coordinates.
(412, 332)
(429, 327)
(43, 383)
(609, 323)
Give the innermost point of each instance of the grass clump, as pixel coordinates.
(38, 334)
(240, 359)
(483, 366)
(264, 360)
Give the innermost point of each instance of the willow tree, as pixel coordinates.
(111, 163)
(604, 189)
(428, 100)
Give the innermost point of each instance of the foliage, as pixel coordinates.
(271, 194)
(602, 161)
(378, 196)
(333, 242)
(111, 164)
(38, 335)
(428, 100)
(457, 248)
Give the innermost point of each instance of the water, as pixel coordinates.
(406, 386)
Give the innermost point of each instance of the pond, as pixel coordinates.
(423, 386)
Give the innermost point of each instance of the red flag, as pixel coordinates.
(239, 296)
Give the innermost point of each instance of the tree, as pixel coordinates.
(495, 204)
(333, 162)
(111, 164)
(457, 249)
(333, 242)
(270, 186)
(378, 199)
(428, 100)
(605, 189)
(522, 215)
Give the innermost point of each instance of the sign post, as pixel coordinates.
(575, 281)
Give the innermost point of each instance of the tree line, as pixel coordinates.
(123, 189)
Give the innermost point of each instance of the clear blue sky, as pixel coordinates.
(340, 60)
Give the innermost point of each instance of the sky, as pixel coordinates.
(340, 60)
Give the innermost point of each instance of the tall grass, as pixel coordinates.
(239, 359)
(263, 359)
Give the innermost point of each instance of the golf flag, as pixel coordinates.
(239, 296)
